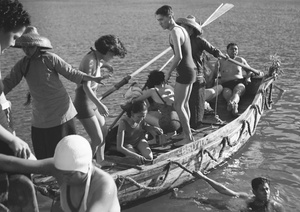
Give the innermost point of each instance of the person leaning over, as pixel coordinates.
(199, 45)
(83, 186)
(261, 200)
(52, 108)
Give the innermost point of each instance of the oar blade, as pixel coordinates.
(219, 12)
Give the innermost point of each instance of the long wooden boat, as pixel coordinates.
(214, 143)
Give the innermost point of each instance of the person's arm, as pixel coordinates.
(219, 187)
(120, 142)
(87, 67)
(18, 165)
(210, 48)
(19, 147)
(104, 198)
(146, 94)
(175, 39)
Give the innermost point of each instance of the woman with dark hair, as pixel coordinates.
(91, 111)
(162, 99)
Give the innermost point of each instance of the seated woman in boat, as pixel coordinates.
(232, 78)
(131, 136)
(161, 111)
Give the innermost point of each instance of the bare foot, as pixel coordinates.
(235, 110)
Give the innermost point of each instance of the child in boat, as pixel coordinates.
(132, 129)
(52, 109)
(91, 111)
(162, 99)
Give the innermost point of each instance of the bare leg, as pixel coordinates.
(211, 93)
(145, 150)
(238, 91)
(182, 95)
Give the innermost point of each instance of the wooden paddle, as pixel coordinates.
(126, 79)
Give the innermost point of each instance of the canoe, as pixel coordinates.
(216, 141)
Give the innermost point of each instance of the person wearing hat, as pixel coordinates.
(186, 70)
(204, 75)
(91, 111)
(52, 109)
(83, 186)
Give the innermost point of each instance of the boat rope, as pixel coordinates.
(122, 180)
(268, 98)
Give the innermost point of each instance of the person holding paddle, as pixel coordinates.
(199, 45)
(91, 111)
(186, 70)
(261, 200)
(232, 78)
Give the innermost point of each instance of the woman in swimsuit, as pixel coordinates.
(91, 111)
(131, 140)
(186, 69)
(161, 98)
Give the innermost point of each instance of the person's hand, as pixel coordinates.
(109, 68)
(158, 130)
(167, 77)
(220, 54)
(99, 79)
(20, 148)
(103, 110)
(141, 159)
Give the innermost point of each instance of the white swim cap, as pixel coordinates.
(73, 153)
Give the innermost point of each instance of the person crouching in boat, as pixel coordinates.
(52, 109)
(91, 111)
(83, 186)
(232, 78)
(131, 136)
(161, 112)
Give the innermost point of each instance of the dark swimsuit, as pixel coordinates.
(232, 83)
(186, 70)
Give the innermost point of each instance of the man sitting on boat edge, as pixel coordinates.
(232, 78)
(260, 187)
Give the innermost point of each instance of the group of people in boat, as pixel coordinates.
(62, 153)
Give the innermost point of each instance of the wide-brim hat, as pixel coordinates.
(31, 37)
(190, 20)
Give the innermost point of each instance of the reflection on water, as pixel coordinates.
(260, 29)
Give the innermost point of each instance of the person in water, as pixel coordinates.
(260, 202)
(16, 190)
(131, 136)
(91, 111)
(199, 45)
(52, 109)
(232, 78)
(185, 66)
(162, 99)
(83, 186)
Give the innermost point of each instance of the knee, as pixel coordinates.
(226, 93)
(219, 89)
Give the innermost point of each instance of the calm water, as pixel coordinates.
(260, 28)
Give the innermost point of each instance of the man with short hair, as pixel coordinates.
(232, 78)
(259, 202)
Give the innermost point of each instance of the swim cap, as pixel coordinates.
(73, 153)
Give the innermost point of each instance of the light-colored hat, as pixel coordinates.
(190, 21)
(73, 153)
(31, 37)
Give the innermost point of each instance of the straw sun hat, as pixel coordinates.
(31, 37)
(190, 21)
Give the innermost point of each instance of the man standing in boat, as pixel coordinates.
(261, 200)
(232, 78)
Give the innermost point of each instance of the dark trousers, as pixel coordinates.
(44, 140)
(196, 103)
